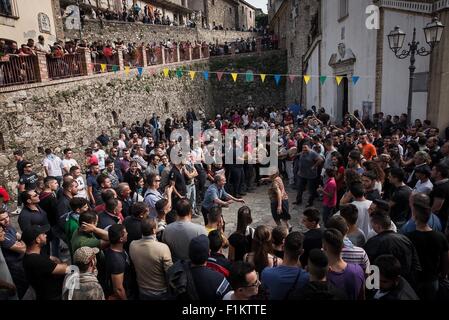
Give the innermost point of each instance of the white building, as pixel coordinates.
(346, 47)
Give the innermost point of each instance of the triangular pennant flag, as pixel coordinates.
(166, 72)
(192, 74)
(262, 77)
(206, 75)
(127, 68)
(140, 71)
(355, 79)
(115, 68)
(323, 79)
(91, 65)
(338, 79)
(291, 77)
(277, 78)
(103, 67)
(306, 79)
(152, 72)
(179, 73)
(234, 76)
(219, 75)
(249, 76)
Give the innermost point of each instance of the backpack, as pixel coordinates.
(181, 285)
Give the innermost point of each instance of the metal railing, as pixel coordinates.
(15, 70)
(67, 66)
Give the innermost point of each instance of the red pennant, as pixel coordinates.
(219, 75)
(152, 72)
(292, 78)
(91, 65)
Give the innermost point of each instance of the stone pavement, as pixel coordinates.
(259, 203)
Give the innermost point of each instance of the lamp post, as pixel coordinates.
(433, 32)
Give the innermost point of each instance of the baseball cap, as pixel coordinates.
(84, 255)
(30, 234)
(199, 249)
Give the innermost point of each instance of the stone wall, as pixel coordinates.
(148, 33)
(223, 13)
(72, 114)
(227, 93)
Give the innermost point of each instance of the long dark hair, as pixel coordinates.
(261, 247)
(244, 219)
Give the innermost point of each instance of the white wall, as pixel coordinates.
(312, 89)
(360, 40)
(396, 72)
(27, 26)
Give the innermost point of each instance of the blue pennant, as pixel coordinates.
(140, 70)
(277, 78)
(206, 75)
(355, 79)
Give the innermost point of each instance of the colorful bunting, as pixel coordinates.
(323, 79)
(249, 76)
(234, 76)
(140, 71)
(206, 75)
(127, 69)
(179, 73)
(355, 79)
(262, 77)
(338, 79)
(103, 67)
(166, 72)
(219, 75)
(292, 77)
(114, 68)
(192, 74)
(152, 72)
(277, 78)
(306, 79)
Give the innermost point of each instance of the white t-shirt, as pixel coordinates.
(425, 187)
(363, 218)
(101, 156)
(82, 189)
(53, 164)
(228, 296)
(68, 163)
(121, 145)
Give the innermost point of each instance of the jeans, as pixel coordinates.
(236, 180)
(326, 213)
(289, 169)
(152, 295)
(311, 187)
(191, 194)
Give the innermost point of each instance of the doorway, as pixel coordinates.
(342, 98)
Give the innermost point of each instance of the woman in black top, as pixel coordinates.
(240, 240)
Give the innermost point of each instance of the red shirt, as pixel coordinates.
(4, 194)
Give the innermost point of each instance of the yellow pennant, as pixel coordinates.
(262, 77)
(166, 72)
(234, 76)
(127, 69)
(192, 74)
(306, 79)
(103, 67)
(338, 79)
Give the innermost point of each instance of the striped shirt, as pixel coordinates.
(355, 255)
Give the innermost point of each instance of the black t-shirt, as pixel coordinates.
(372, 195)
(134, 228)
(20, 166)
(209, 284)
(401, 210)
(117, 263)
(180, 182)
(279, 253)
(319, 290)
(38, 270)
(29, 180)
(241, 244)
(312, 240)
(441, 191)
(430, 246)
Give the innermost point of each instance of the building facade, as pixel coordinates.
(352, 41)
(22, 19)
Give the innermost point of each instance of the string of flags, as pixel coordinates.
(248, 76)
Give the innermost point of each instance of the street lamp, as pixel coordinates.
(433, 32)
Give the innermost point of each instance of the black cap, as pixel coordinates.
(31, 233)
(199, 249)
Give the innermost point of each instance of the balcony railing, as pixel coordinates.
(15, 70)
(25, 69)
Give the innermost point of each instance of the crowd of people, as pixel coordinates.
(124, 223)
